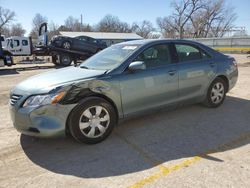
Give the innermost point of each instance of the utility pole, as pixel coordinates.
(81, 22)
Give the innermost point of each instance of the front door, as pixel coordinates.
(155, 86)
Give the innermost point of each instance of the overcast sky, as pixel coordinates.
(94, 10)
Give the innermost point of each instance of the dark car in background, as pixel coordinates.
(80, 43)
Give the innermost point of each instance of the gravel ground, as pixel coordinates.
(192, 146)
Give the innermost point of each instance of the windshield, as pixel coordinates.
(110, 58)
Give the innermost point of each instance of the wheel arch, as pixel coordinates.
(223, 77)
(86, 97)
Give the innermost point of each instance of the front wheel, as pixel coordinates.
(66, 45)
(98, 50)
(216, 93)
(54, 59)
(92, 120)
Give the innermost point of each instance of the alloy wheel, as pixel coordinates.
(66, 45)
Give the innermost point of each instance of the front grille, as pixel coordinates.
(14, 99)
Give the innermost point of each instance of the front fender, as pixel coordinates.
(105, 88)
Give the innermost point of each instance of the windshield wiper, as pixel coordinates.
(106, 71)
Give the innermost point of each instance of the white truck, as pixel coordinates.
(19, 46)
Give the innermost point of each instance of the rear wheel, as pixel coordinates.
(92, 120)
(65, 60)
(216, 93)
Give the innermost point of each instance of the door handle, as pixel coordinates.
(172, 72)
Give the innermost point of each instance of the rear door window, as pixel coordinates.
(82, 38)
(187, 52)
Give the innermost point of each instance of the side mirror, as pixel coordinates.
(136, 66)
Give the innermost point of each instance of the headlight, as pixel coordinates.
(39, 100)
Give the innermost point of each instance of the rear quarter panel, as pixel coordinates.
(227, 67)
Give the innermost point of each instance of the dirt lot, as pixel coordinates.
(191, 146)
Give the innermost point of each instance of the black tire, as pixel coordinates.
(77, 116)
(65, 60)
(98, 50)
(8, 62)
(66, 45)
(209, 102)
(54, 59)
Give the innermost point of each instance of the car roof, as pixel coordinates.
(159, 41)
(82, 36)
(147, 41)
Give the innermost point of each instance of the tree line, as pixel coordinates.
(189, 19)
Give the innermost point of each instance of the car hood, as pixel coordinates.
(43, 83)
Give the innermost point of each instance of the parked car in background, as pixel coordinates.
(80, 43)
(123, 80)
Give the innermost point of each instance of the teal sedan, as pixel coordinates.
(124, 80)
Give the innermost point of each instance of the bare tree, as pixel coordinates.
(6, 16)
(143, 28)
(72, 24)
(36, 22)
(17, 30)
(183, 10)
(87, 28)
(112, 23)
(223, 23)
(5, 31)
(166, 27)
(214, 20)
(53, 29)
(198, 18)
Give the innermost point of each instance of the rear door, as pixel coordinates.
(84, 44)
(196, 69)
(155, 86)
